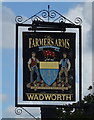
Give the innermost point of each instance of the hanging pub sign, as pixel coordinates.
(49, 66)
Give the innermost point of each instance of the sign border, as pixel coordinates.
(16, 66)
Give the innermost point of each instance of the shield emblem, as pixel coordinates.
(49, 71)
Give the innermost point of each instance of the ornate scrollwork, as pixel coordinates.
(52, 14)
(37, 18)
(78, 21)
(19, 19)
(44, 13)
(62, 20)
(18, 111)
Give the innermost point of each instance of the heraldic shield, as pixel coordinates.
(49, 71)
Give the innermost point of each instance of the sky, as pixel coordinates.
(9, 11)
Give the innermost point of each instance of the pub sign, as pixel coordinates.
(49, 66)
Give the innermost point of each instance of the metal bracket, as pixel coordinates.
(48, 16)
(19, 111)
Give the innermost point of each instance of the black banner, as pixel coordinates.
(49, 66)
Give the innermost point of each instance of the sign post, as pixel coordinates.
(51, 61)
(48, 112)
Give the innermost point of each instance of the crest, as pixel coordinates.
(49, 71)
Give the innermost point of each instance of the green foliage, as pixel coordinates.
(83, 110)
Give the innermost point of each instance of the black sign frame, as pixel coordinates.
(80, 65)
